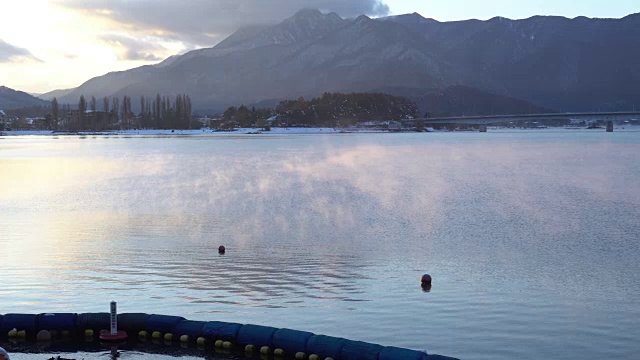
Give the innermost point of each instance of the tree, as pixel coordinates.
(115, 109)
(179, 118)
(20, 124)
(126, 111)
(163, 111)
(187, 109)
(48, 119)
(262, 123)
(55, 113)
(157, 110)
(93, 106)
(107, 115)
(154, 114)
(230, 114)
(143, 112)
(170, 117)
(243, 116)
(82, 109)
(66, 110)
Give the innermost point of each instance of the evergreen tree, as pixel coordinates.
(187, 109)
(55, 113)
(93, 106)
(230, 114)
(107, 115)
(179, 113)
(126, 112)
(82, 109)
(243, 116)
(115, 109)
(157, 111)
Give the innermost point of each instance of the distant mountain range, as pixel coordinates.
(56, 94)
(11, 99)
(460, 100)
(473, 66)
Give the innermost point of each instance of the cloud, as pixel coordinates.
(10, 53)
(206, 22)
(133, 49)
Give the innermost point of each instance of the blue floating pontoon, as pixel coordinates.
(287, 341)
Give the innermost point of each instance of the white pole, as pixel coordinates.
(114, 319)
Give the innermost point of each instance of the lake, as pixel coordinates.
(531, 237)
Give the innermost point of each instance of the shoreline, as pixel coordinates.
(274, 131)
(200, 132)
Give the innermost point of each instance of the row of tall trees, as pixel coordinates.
(158, 113)
(162, 113)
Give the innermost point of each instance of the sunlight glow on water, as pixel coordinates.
(531, 237)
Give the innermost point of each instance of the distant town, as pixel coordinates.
(162, 112)
(374, 111)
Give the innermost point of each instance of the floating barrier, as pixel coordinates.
(392, 353)
(192, 329)
(326, 346)
(268, 340)
(358, 350)
(291, 341)
(93, 321)
(133, 322)
(162, 323)
(24, 325)
(57, 322)
(217, 330)
(256, 335)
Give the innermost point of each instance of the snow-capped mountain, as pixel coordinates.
(559, 63)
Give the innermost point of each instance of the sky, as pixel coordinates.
(57, 44)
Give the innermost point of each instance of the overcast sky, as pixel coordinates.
(52, 44)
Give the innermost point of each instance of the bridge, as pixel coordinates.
(483, 121)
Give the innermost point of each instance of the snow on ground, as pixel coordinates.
(246, 131)
(151, 132)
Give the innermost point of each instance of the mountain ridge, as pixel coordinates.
(555, 62)
(11, 99)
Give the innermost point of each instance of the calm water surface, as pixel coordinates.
(532, 238)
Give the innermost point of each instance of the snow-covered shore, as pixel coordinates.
(208, 132)
(274, 131)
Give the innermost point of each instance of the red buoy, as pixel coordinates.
(221, 250)
(114, 334)
(106, 335)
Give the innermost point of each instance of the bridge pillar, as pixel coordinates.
(483, 128)
(609, 126)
